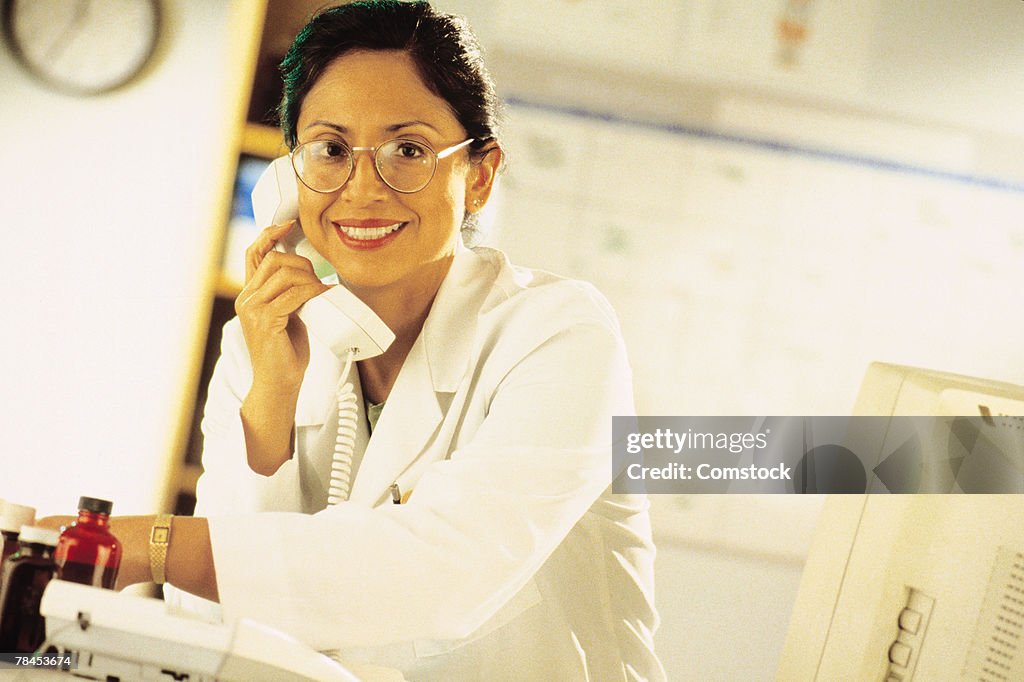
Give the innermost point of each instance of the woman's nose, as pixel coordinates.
(365, 182)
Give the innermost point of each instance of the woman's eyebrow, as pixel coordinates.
(334, 126)
(394, 127)
(411, 124)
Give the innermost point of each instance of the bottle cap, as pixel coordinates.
(14, 516)
(38, 535)
(95, 505)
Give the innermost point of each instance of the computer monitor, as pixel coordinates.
(898, 390)
(915, 587)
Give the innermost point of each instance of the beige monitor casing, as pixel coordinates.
(875, 558)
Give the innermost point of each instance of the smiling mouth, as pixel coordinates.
(369, 233)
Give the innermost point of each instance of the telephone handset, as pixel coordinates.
(337, 318)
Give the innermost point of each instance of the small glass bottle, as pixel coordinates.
(88, 552)
(24, 577)
(12, 518)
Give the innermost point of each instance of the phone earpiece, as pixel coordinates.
(275, 196)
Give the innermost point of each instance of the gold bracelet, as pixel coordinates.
(159, 539)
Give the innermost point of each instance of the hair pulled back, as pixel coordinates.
(442, 46)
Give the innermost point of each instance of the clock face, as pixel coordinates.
(82, 46)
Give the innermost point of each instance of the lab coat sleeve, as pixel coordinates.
(478, 525)
(227, 484)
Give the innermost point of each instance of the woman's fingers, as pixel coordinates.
(286, 285)
(277, 301)
(264, 243)
(275, 261)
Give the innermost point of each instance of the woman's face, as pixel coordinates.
(365, 99)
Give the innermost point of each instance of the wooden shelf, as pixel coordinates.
(188, 478)
(281, 21)
(227, 286)
(263, 141)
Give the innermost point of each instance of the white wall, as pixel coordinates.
(111, 205)
(755, 280)
(943, 61)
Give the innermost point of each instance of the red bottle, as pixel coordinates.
(88, 552)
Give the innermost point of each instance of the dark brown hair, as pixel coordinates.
(442, 46)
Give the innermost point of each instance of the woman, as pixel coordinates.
(509, 557)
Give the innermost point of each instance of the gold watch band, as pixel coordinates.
(159, 539)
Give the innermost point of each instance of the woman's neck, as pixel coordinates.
(403, 306)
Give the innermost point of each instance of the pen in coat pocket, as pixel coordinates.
(397, 496)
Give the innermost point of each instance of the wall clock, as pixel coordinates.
(84, 47)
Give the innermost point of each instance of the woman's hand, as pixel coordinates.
(276, 285)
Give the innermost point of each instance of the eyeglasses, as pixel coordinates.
(404, 165)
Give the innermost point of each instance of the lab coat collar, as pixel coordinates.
(448, 331)
(439, 358)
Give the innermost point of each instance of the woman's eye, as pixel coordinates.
(328, 152)
(410, 150)
(334, 149)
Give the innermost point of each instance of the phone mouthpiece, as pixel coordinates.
(343, 323)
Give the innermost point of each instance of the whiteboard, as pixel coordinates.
(754, 277)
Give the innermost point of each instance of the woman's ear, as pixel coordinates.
(481, 177)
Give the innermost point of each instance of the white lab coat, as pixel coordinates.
(512, 559)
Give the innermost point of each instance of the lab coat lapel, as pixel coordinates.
(410, 417)
(411, 420)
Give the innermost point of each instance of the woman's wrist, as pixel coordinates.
(189, 563)
(133, 534)
(268, 419)
(274, 390)
(189, 560)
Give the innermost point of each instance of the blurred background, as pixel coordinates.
(772, 193)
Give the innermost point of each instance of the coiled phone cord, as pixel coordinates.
(345, 441)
